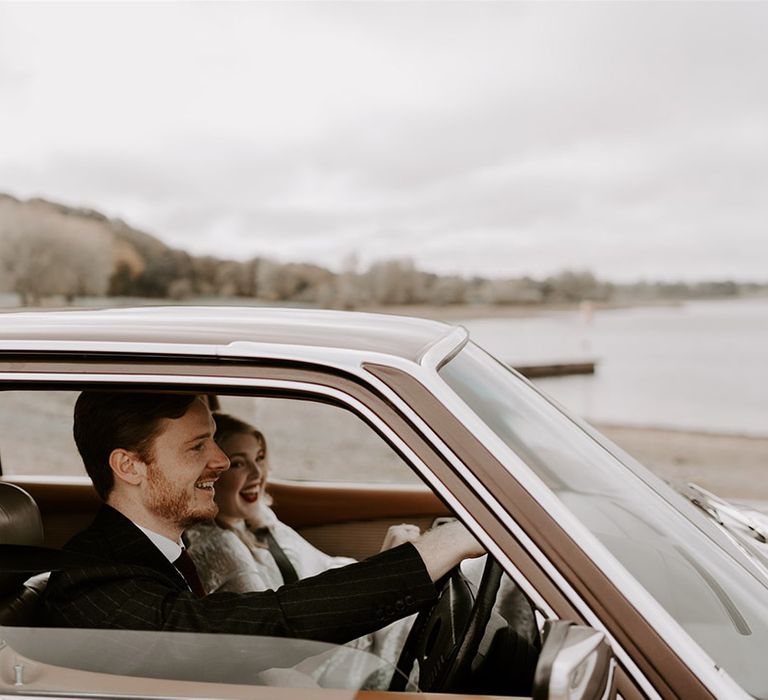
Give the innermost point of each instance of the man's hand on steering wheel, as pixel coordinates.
(444, 547)
(444, 639)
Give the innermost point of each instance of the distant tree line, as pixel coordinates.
(48, 250)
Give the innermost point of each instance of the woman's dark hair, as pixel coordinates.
(108, 420)
(227, 425)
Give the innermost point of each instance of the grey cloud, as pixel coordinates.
(612, 136)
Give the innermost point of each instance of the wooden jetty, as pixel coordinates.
(558, 369)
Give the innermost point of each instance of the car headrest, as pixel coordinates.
(20, 521)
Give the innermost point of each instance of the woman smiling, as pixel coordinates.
(246, 547)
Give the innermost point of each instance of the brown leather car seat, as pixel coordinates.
(20, 523)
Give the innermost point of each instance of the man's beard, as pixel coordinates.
(173, 503)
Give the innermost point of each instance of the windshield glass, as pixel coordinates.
(693, 570)
(176, 664)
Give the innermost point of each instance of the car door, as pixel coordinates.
(447, 482)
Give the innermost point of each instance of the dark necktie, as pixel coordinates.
(188, 570)
(283, 563)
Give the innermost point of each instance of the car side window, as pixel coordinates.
(308, 441)
(36, 434)
(311, 441)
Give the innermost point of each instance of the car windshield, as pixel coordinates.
(690, 566)
(168, 664)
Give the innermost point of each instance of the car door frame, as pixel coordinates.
(451, 466)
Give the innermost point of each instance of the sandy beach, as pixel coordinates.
(731, 466)
(457, 313)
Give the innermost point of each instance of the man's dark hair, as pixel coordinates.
(108, 420)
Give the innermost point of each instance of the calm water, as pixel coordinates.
(700, 366)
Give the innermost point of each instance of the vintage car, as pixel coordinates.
(625, 587)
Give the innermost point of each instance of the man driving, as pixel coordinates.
(153, 461)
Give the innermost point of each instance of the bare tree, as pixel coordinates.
(349, 293)
(575, 285)
(521, 290)
(448, 290)
(395, 281)
(45, 253)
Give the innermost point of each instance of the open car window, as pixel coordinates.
(311, 441)
(36, 430)
(308, 440)
(338, 480)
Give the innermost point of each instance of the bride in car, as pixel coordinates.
(247, 548)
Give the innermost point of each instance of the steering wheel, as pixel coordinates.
(444, 639)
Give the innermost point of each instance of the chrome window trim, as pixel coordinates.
(60, 346)
(338, 358)
(700, 663)
(444, 349)
(341, 358)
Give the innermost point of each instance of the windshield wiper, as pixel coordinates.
(745, 527)
(722, 511)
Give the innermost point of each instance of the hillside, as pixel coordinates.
(130, 242)
(50, 250)
(39, 238)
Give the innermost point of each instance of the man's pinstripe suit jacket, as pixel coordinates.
(138, 588)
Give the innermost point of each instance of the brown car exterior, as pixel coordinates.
(585, 533)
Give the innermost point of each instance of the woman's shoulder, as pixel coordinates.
(208, 539)
(265, 518)
(204, 530)
(223, 560)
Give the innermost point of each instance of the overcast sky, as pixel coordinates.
(491, 138)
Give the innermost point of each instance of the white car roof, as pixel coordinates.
(399, 336)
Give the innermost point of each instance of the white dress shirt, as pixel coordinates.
(171, 550)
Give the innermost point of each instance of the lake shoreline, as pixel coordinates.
(449, 313)
(732, 466)
(472, 312)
